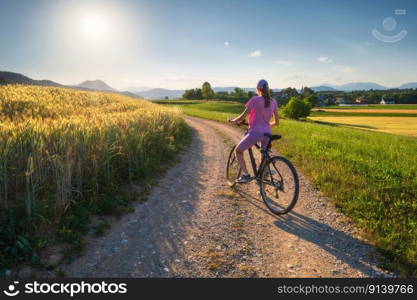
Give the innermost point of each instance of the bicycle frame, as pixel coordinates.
(265, 157)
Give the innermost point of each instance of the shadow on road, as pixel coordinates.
(341, 245)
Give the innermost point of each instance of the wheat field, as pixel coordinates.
(59, 146)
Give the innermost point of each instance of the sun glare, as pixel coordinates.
(95, 25)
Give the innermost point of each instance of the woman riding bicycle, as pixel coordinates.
(261, 109)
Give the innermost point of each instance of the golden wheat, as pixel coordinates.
(58, 145)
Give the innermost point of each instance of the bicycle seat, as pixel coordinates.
(273, 137)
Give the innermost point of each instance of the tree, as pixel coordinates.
(312, 100)
(207, 91)
(188, 94)
(239, 93)
(192, 94)
(307, 92)
(291, 92)
(296, 109)
(198, 93)
(251, 94)
(373, 98)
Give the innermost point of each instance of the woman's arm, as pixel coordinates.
(276, 120)
(241, 117)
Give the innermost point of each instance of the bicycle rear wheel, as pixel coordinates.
(279, 185)
(233, 170)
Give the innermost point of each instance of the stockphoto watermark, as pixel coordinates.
(65, 288)
(390, 25)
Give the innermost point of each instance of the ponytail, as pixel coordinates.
(266, 95)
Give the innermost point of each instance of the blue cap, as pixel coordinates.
(261, 84)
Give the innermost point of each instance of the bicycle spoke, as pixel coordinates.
(279, 185)
(233, 169)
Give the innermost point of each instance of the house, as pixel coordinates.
(341, 100)
(387, 101)
(361, 100)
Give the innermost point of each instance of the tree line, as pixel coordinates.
(206, 92)
(297, 104)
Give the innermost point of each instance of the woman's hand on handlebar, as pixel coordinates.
(237, 122)
(233, 121)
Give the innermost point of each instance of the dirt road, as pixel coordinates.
(193, 225)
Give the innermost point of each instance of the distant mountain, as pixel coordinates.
(129, 94)
(224, 89)
(97, 85)
(230, 89)
(322, 88)
(410, 85)
(16, 78)
(358, 86)
(162, 93)
(138, 89)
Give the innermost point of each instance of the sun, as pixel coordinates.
(95, 25)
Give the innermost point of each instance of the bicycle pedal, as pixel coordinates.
(249, 180)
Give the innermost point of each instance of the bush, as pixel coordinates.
(296, 109)
(312, 100)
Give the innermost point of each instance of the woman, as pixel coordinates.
(260, 108)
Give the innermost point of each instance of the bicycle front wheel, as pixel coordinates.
(279, 185)
(233, 168)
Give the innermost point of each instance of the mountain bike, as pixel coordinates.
(276, 176)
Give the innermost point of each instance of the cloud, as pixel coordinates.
(227, 44)
(282, 63)
(255, 53)
(348, 69)
(324, 59)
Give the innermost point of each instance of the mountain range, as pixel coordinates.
(16, 78)
(96, 85)
(159, 93)
(362, 86)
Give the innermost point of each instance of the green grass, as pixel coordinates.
(371, 177)
(377, 106)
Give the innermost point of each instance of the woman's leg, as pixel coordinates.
(241, 160)
(248, 141)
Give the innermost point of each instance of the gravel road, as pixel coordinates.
(194, 225)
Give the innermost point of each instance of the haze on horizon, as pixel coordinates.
(181, 43)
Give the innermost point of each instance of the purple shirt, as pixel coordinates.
(260, 116)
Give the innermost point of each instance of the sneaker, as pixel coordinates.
(244, 178)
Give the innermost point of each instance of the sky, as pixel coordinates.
(179, 44)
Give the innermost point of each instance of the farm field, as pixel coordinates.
(368, 110)
(390, 124)
(371, 176)
(66, 155)
(394, 119)
(377, 106)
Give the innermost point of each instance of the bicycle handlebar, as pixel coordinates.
(241, 123)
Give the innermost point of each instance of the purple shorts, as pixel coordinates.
(251, 139)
